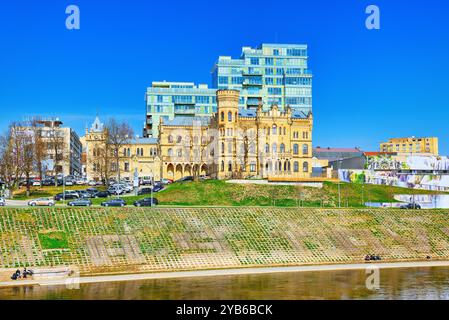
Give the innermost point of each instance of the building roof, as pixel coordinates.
(97, 125)
(138, 140)
(333, 154)
(187, 121)
(377, 153)
(248, 113)
(297, 114)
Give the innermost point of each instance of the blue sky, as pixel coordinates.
(368, 85)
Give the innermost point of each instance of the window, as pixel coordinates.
(267, 148)
(179, 152)
(126, 167)
(295, 149)
(229, 147)
(305, 167)
(254, 61)
(274, 129)
(230, 116)
(275, 148)
(222, 166)
(275, 52)
(230, 166)
(170, 139)
(252, 167)
(296, 166)
(179, 139)
(269, 71)
(222, 116)
(222, 148)
(305, 149)
(223, 80)
(269, 61)
(282, 149)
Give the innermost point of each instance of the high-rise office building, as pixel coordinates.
(272, 74)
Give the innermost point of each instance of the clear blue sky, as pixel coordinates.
(368, 85)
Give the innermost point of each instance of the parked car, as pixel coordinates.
(100, 194)
(147, 202)
(158, 187)
(42, 202)
(65, 196)
(146, 181)
(185, 179)
(37, 183)
(166, 181)
(81, 182)
(48, 182)
(2, 202)
(80, 203)
(144, 191)
(69, 182)
(412, 206)
(84, 194)
(114, 203)
(116, 190)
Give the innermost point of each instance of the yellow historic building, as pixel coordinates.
(231, 144)
(427, 145)
(140, 155)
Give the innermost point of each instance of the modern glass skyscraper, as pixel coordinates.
(270, 74)
(165, 100)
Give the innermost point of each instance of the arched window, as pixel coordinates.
(274, 148)
(170, 139)
(275, 129)
(124, 152)
(280, 166)
(229, 147)
(230, 166)
(305, 167)
(222, 148)
(296, 166)
(170, 152)
(179, 139)
(179, 152)
(282, 150)
(222, 166)
(305, 149)
(222, 116)
(252, 148)
(141, 152)
(295, 149)
(230, 116)
(267, 148)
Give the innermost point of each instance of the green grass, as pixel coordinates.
(53, 240)
(220, 193)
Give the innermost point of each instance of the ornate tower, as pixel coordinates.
(228, 113)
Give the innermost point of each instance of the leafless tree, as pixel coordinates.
(56, 147)
(40, 147)
(119, 135)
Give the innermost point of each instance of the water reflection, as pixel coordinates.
(416, 283)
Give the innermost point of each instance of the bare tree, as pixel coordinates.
(118, 135)
(40, 148)
(56, 147)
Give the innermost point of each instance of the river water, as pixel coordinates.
(405, 283)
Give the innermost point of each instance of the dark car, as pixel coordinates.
(48, 182)
(144, 191)
(185, 179)
(157, 187)
(92, 190)
(100, 194)
(147, 202)
(66, 196)
(84, 194)
(411, 206)
(114, 203)
(80, 203)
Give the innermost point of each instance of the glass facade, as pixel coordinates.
(165, 100)
(267, 75)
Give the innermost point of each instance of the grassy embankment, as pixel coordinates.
(220, 193)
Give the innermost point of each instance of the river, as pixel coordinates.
(404, 283)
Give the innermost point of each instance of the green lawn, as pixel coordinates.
(53, 240)
(220, 193)
(42, 192)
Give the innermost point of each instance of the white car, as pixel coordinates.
(36, 183)
(93, 183)
(81, 182)
(42, 202)
(2, 202)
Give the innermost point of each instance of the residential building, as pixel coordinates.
(271, 74)
(411, 145)
(62, 145)
(165, 100)
(139, 156)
